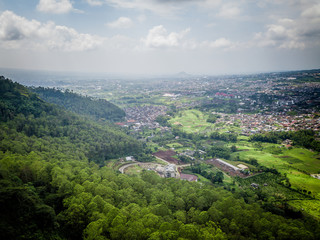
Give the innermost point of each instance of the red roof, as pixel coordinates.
(224, 94)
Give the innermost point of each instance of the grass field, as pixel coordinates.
(309, 206)
(302, 159)
(296, 163)
(133, 170)
(195, 121)
(192, 121)
(174, 145)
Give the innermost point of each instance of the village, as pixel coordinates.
(143, 117)
(258, 123)
(257, 103)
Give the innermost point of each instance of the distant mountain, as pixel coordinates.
(183, 75)
(83, 105)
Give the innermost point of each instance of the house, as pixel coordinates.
(254, 185)
(242, 166)
(129, 158)
(170, 170)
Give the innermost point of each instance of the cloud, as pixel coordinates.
(18, 32)
(94, 2)
(55, 6)
(293, 33)
(168, 8)
(158, 37)
(229, 10)
(312, 12)
(282, 34)
(160, 7)
(219, 43)
(121, 22)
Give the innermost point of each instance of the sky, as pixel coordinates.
(160, 36)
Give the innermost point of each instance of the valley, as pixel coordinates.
(182, 155)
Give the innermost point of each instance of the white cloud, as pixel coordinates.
(121, 22)
(297, 33)
(283, 34)
(219, 43)
(18, 32)
(158, 37)
(312, 12)
(94, 2)
(160, 7)
(229, 10)
(211, 4)
(55, 6)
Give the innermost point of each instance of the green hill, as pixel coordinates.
(25, 113)
(83, 105)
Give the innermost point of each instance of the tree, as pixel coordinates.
(218, 177)
(233, 148)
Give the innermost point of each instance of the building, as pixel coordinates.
(129, 158)
(170, 171)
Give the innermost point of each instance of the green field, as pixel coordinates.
(195, 121)
(135, 169)
(302, 159)
(297, 164)
(192, 121)
(174, 145)
(309, 206)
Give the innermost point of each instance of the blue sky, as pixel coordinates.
(160, 36)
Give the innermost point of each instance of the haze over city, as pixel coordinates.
(160, 36)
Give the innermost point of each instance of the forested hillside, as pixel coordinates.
(51, 186)
(96, 108)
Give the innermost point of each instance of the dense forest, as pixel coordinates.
(54, 185)
(83, 105)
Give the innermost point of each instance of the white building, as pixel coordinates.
(170, 170)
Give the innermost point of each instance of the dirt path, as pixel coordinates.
(121, 169)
